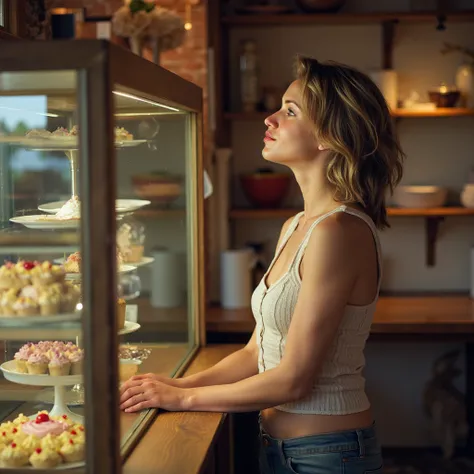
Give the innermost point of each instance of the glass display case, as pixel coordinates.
(101, 244)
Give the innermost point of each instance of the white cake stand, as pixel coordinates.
(75, 396)
(59, 383)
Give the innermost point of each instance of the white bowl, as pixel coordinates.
(420, 196)
(467, 198)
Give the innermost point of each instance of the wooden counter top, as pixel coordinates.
(178, 440)
(440, 315)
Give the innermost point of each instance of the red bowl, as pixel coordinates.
(266, 190)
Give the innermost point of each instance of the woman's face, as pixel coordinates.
(290, 134)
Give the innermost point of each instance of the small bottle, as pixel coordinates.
(248, 76)
(259, 267)
(131, 240)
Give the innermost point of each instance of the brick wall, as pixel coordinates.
(188, 61)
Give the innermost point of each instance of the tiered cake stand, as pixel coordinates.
(59, 383)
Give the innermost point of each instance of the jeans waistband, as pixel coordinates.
(322, 443)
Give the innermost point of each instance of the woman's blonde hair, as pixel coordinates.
(353, 121)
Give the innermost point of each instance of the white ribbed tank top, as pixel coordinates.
(340, 386)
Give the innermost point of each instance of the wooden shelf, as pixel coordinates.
(407, 315)
(439, 112)
(392, 211)
(399, 113)
(344, 18)
(433, 218)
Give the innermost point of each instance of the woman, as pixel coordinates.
(302, 367)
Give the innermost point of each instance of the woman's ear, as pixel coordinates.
(321, 147)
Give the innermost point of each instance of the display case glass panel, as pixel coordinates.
(59, 130)
(154, 158)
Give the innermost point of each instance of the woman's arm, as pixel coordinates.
(237, 366)
(330, 273)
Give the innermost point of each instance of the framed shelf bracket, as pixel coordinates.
(432, 229)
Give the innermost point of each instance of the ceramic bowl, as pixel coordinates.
(265, 190)
(420, 196)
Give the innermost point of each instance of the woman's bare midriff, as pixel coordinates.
(282, 424)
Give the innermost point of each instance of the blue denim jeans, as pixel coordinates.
(341, 452)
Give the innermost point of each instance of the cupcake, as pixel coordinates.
(78, 435)
(121, 307)
(49, 302)
(37, 364)
(30, 443)
(59, 365)
(7, 301)
(6, 435)
(72, 451)
(76, 359)
(9, 278)
(46, 274)
(25, 306)
(44, 458)
(38, 133)
(51, 442)
(73, 263)
(23, 269)
(13, 456)
(21, 357)
(60, 133)
(121, 134)
(20, 419)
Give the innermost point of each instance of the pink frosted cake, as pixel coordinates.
(43, 425)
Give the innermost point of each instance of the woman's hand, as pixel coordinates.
(150, 391)
(151, 376)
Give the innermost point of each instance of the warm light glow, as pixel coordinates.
(443, 89)
(78, 306)
(45, 114)
(139, 114)
(146, 101)
(188, 23)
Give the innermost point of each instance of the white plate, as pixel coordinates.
(121, 205)
(44, 380)
(129, 143)
(17, 321)
(78, 276)
(129, 328)
(129, 205)
(65, 144)
(60, 467)
(46, 222)
(34, 222)
(143, 261)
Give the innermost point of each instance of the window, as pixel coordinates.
(2, 13)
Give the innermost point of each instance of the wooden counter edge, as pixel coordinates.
(181, 442)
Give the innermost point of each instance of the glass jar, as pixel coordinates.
(248, 76)
(131, 240)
